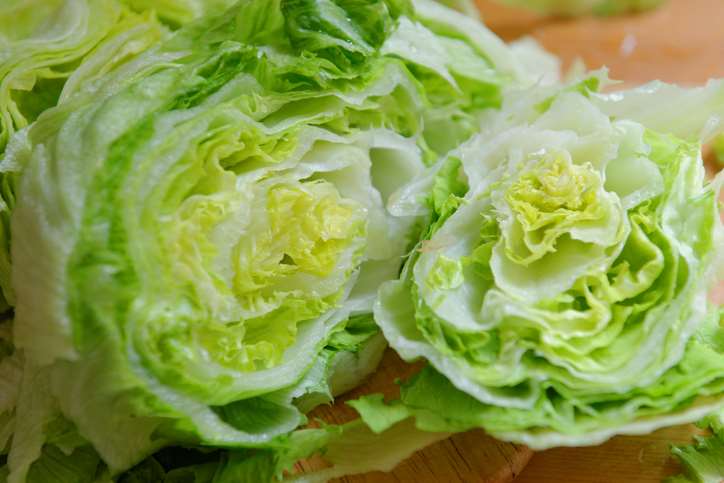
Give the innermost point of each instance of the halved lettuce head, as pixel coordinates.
(199, 236)
(560, 293)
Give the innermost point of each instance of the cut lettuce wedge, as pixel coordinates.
(560, 290)
(198, 234)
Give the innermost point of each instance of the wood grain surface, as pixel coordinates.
(682, 42)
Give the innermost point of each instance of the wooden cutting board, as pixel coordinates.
(682, 42)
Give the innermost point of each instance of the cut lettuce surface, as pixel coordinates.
(560, 291)
(198, 230)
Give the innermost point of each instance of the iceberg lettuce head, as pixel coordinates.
(198, 234)
(560, 291)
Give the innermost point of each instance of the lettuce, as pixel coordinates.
(703, 461)
(199, 232)
(179, 12)
(559, 292)
(50, 50)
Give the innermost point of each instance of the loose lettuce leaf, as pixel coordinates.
(334, 444)
(703, 461)
(656, 105)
